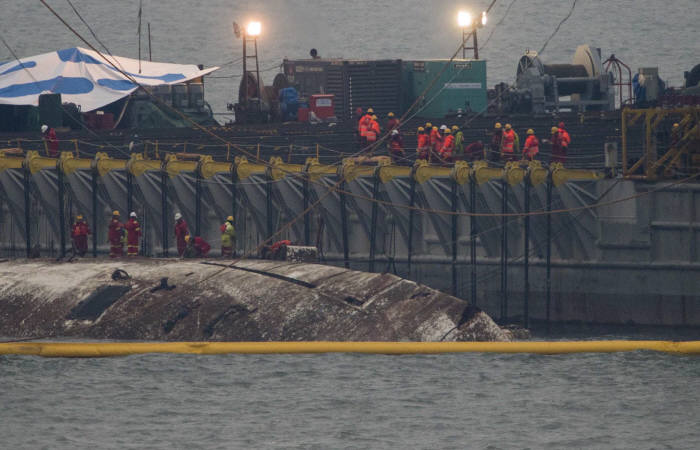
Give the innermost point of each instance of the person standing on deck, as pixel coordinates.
(532, 146)
(116, 236)
(49, 136)
(448, 147)
(181, 231)
(564, 139)
(435, 145)
(396, 147)
(392, 122)
(496, 139)
(133, 235)
(79, 234)
(459, 142)
(508, 144)
(558, 155)
(423, 144)
(228, 238)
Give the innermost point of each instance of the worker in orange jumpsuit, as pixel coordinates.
(532, 146)
(396, 147)
(507, 143)
(363, 126)
(435, 144)
(116, 236)
(79, 234)
(181, 231)
(373, 131)
(49, 135)
(392, 123)
(133, 234)
(448, 147)
(423, 144)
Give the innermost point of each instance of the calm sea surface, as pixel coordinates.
(636, 400)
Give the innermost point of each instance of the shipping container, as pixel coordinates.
(461, 86)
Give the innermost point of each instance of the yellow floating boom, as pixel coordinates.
(95, 350)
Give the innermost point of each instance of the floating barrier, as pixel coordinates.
(98, 350)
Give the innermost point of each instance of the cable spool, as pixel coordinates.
(568, 71)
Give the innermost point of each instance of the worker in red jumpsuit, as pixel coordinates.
(116, 236)
(423, 144)
(181, 231)
(474, 151)
(196, 247)
(564, 138)
(532, 146)
(362, 127)
(396, 147)
(448, 146)
(558, 155)
(392, 123)
(507, 144)
(133, 234)
(79, 234)
(435, 144)
(49, 135)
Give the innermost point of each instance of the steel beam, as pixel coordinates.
(344, 225)
(164, 209)
(411, 216)
(129, 192)
(473, 234)
(307, 215)
(455, 235)
(93, 187)
(27, 213)
(198, 204)
(504, 250)
(61, 210)
(549, 247)
(373, 223)
(526, 254)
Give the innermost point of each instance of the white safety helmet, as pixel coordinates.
(394, 132)
(44, 128)
(178, 216)
(443, 127)
(133, 214)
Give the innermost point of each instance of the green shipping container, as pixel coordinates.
(461, 86)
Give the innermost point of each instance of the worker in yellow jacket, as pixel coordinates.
(228, 238)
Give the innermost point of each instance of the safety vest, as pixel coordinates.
(371, 133)
(447, 147)
(363, 125)
(564, 138)
(508, 141)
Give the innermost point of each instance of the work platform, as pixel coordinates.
(521, 241)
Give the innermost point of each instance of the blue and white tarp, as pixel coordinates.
(85, 78)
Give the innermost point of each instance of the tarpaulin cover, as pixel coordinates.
(85, 78)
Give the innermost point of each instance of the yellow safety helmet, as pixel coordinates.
(115, 213)
(447, 131)
(498, 126)
(79, 217)
(421, 129)
(428, 126)
(555, 130)
(530, 131)
(187, 238)
(435, 128)
(374, 117)
(391, 114)
(370, 111)
(508, 127)
(455, 128)
(229, 218)
(676, 125)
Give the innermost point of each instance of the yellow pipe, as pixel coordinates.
(425, 171)
(100, 349)
(174, 166)
(69, 164)
(388, 173)
(538, 174)
(460, 172)
(138, 165)
(513, 174)
(36, 163)
(208, 167)
(104, 164)
(8, 162)
(246, 169)
(560, 175)
(483, 173)
(316, 170)
(350, 171)
(281, 169)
